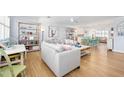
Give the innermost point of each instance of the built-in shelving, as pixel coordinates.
(29, 36)
(70, 34)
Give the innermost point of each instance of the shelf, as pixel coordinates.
(32, 45)
(70, 34)
(83, 53)
(33, 50)
(27, 29)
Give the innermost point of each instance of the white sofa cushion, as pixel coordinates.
(59, 47)
(67, 47)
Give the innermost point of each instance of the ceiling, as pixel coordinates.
(66, 20)
(82, 19)
(79, 20)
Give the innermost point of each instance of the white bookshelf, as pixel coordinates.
(29, 36)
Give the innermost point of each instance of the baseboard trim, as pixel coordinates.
(118, 51)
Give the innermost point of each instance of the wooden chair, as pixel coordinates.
(10, 70)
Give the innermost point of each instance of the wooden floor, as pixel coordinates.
(100, 63)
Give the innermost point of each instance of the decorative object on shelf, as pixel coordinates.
(112, 32)
(120, 29)
(51, 31)
(78, 45)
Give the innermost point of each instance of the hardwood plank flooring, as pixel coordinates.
(101, 63)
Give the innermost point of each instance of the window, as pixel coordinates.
(102, 33)
(4, 28)
(106, 33)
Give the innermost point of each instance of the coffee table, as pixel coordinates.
(84, 50)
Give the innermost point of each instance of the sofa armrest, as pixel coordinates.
(68, 61)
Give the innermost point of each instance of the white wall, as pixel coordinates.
(118, 40)
(119, 44)
(13, 29)
(61, 32)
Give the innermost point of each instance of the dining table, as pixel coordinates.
(16, 49)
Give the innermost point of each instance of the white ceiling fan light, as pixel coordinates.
(74, 19)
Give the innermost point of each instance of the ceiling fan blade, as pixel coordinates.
(74, 19)
(48, 16)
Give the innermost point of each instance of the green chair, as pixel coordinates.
(10, 70)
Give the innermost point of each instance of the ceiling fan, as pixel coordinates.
(49, 17)
(74, 19)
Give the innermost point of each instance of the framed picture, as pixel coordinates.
(120, 29)
(51, 31)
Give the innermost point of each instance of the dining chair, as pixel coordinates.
(10, 70)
